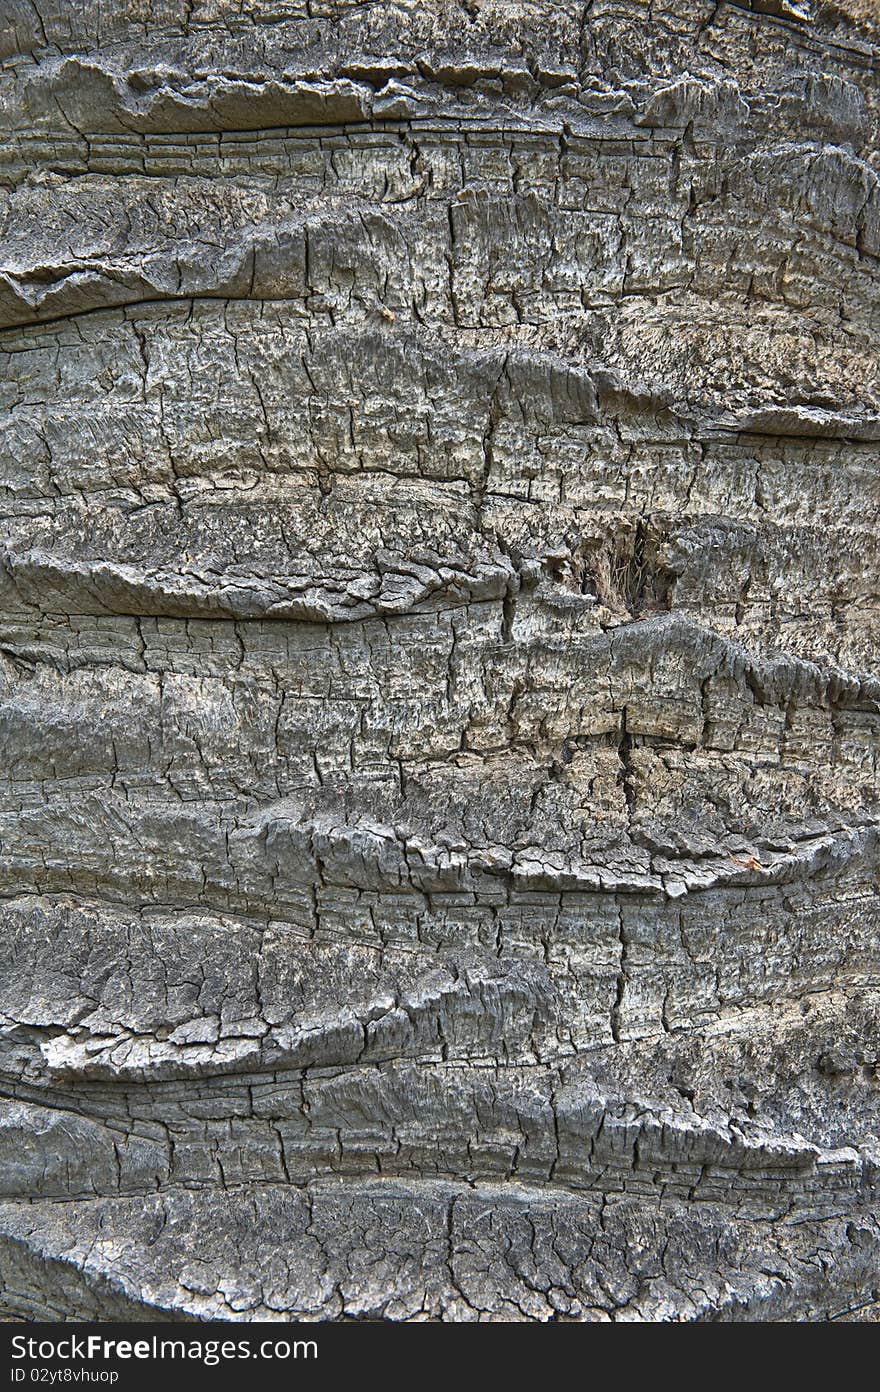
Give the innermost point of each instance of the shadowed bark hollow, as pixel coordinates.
(438, 632)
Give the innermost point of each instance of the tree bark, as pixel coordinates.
(438, 610)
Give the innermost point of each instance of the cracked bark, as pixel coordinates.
(438, 661)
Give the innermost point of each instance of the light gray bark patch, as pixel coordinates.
(439, 638)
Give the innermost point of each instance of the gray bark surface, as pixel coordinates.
(439, 627)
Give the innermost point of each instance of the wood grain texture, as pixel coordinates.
(439, 635)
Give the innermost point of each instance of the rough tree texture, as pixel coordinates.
(438, 598)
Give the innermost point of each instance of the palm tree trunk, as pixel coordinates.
(438, 611)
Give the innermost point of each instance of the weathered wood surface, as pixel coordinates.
(438, 610)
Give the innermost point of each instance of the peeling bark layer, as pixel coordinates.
(438, 608)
